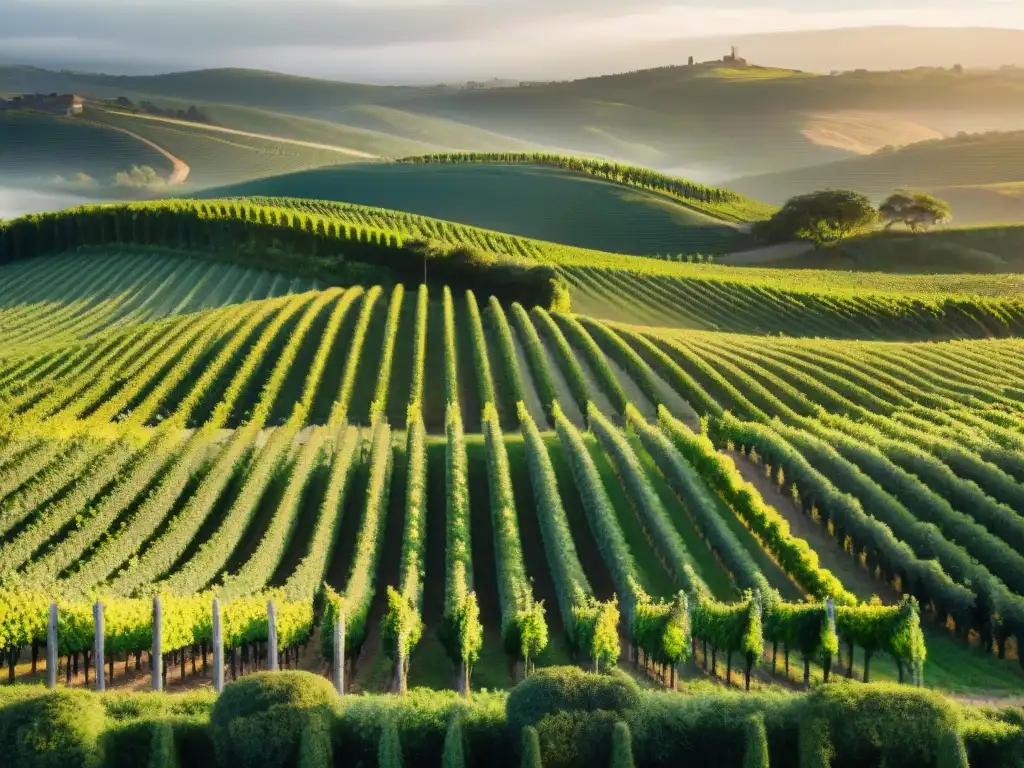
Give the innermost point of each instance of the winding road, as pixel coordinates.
(251, 135)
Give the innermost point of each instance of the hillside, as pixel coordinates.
(42, 151)
(531, 201)
(708, 122)
(947, 250)
(977, 173)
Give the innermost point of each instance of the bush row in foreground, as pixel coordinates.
(564, 717)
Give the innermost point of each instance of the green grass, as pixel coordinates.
(529, 201)
(41, 148)
(219, 158)
(306, 129)
(960, 167)
(947, 250)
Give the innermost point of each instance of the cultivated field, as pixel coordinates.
(536, 485)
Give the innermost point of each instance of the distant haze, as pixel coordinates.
(16, 201)
(418, 41)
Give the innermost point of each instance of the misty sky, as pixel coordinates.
(422, 39)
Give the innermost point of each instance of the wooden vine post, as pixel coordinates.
(158, 658)
(271, 637)
(97, 623)
(339, 653)
(218, 648)
(51, 648)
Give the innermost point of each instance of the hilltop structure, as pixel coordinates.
(53, 104)
(732, 59)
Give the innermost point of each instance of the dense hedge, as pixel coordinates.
(294, 719)
(256, 235)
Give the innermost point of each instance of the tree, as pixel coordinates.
(822, 217)
(914, 210)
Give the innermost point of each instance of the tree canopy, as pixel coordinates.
(822, 217)
(914, 210)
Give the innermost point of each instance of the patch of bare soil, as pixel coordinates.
(530, 396)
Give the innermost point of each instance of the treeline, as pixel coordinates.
(193, 114)
(281, 239)
(717, 200)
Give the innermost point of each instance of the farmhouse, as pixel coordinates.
(53, 104)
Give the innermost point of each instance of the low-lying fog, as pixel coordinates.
(17, 201)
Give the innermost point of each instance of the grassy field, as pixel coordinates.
(217, 158)
(529, 201)
(947, 250)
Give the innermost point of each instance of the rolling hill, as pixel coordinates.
(948, 250)
(710, 122)
(979, 174)
(531, 201)
(40, 150)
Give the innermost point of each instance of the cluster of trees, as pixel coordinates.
(193, 114)
(832, 215)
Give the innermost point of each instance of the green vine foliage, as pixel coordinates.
(662, 628)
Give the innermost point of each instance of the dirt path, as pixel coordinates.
(530, 396)
(179, 168)
(251, 135)
(830, 553)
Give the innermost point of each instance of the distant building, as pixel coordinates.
(52, 104)
(734, 58)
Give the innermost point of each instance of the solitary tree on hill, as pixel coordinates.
(915, 210)
(822, 217)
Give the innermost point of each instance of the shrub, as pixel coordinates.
(454, 754)
(389, 753)
(815, 746)
(531, 749)
(576, 738)
(60, 729)
(423, 718)
(756, 754)
(558, 689)
(622, 747)
(951, 752)
(258, 721)
(315, 746)
(163, 753)
(881, 724)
